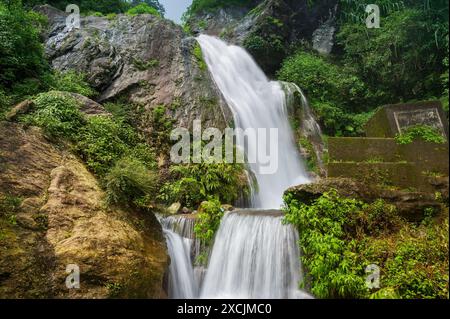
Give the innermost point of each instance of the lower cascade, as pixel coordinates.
(254, 254)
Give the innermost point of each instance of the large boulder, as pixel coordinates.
(412, 205)
(148, 60)
(61, 220)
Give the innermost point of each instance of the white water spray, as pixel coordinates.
(180, 244)
(256, 103)
(254, 256)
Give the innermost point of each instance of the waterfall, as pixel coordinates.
(256, 103)
(308, 124)
(254, 256)
(182, 249)
(182, 283)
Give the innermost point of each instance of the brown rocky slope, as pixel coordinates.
(59, 219)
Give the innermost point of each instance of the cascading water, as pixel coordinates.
(181, 244)
(256, 103)
(254, 254)
(308, 125)
(182, 283)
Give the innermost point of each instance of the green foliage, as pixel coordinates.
(161, 127)
(21, 52)
(196, 183)
(339, 237)
(103, 7)
(73, 82)
(5, 102)
(266, 47)
(143, 8)
(114, 289)
(102, 141)
(335, 93)
(322, 80)
(329, 260)
(199, 6)
(404, 60)
(409, 36)
(129, 180)
(110, 147)
(414, 262)
(423, 132)
(311, 160)
(9, 204)
(198, 54)
(111, 16)
(209, 216)
(145, 65)
(58, 114)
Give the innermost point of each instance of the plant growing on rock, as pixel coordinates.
(143, 8)
(73, 82)
(195, 183)
(103, 141)
(57, 113)
(210, 214)
(423, 132)
(341, 236)
(129, 180)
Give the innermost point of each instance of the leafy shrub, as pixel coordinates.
(424, 132)
(336, 94)
(339, 237)
(72, 81)
(103, 141)
(161, 125)
(111, 16)
(198, 54)
(409, 36)
(208, 220)
(57, 113)
(9, 204)
(21, 52)
(129, 180)
(196, 183)
(145, 65)
(330, 262)
(322, 80)
(143, 8)
(199, 6)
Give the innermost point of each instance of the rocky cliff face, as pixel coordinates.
(270, 27)
(148, 60)
(58, 218)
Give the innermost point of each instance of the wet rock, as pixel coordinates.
(62, 220)
(186, 211)
(146, 59)
(268, 28)
(411, 205)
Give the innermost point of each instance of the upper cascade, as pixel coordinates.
(256, 103)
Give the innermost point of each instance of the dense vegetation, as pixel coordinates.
(103, 7)
(404, 60)
(340, 237)
(110, 146)
(199, 6)
(422, 132)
